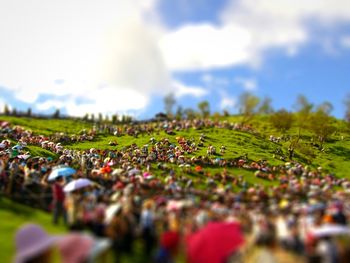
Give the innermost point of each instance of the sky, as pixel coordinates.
(124, 56)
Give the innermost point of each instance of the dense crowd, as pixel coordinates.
(180, 213)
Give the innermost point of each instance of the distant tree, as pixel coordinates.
(29, 112)
(106, 118)
(282, 120)
(56, 114)
(321, 123)
(114, 118)
(225, 113)
(266, 107)
(303, 113)
(179, 113)
(216, 116)
(190, 114)
(247, 104)
(14, 112)
(347, 108)
(92, 117)
(86, 117)
(169, 103)
(204, 108)
(325, 107)
(100, 117)
(6, 110)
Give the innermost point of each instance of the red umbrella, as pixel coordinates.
(198, 168)
(214, 243)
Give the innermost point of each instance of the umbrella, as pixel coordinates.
(23, 156)
(62, 171)
(330, 230)
(117, 171)
(198, 168)
(4, 124)
(134, 172)
(77, 184)
(214, 243)
(111, 211)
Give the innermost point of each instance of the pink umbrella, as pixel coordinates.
(214, 243)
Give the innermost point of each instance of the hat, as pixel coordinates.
(75, 248)
(31, 241)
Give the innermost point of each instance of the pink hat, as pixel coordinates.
(31, 241)
(75, 248)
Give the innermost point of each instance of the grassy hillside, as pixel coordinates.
(335, 158)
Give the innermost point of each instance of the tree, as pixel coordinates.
(204, 108)
(179, 113)
(321, 123)
(265, 107)
(225, 113)
(29, 112)
(114, 118)
(86, 117)
(190, 113)
(247, 106)
(169, 103)
(56, 114)
(325, 107)
(6, 110)
(304, 109)
(100, 118)
(14, 112)
(347, 108)
(282, 120)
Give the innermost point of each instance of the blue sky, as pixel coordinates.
(124, 56)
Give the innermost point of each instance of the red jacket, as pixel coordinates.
(57, 192)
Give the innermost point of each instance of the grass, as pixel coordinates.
(334, 159)
(14, 215)
(48, 126)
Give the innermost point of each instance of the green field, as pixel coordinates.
(334, 158)
(14, 215)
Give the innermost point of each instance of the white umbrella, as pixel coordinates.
(77, 184)
(331, 230)
(23, 156)
(134, 172)
(111, 211)
(117, 171)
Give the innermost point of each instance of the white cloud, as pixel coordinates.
(183, 90)
(248, 29)
(113, 55)
(248, 84)
(204, 46)
(345, 41)
(227, 102)
(105, 51)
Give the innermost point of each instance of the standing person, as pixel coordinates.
(58, 197)
(15, 169)
(148, 227)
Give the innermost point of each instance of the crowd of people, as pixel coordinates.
(183, 213)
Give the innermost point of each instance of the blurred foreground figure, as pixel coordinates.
(33, 244)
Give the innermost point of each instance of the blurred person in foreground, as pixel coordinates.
(34, 245)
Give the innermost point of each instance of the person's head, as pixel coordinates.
(33, 244)
(75, 248)
(59, 179)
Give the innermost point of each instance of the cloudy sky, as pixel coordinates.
(124, 55)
